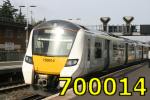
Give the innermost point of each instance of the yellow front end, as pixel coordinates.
(48, 65)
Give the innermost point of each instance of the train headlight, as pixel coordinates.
(71, 62)
(28, 59)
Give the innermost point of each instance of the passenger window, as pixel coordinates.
(121, 50)
(145, 50)
(98, 51)
(114, 46)
(132, 49)
(140, 50)
(115, 50)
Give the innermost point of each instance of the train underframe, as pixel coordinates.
(45, 82)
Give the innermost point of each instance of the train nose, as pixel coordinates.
(49, 65)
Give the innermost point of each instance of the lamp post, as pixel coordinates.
(21, 7)
(27, 23)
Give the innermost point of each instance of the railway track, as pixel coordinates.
(22, 91)
(34, 97)
(117, 74)
(10, 83)
(14, 87)
(19, 92)
(10, 78)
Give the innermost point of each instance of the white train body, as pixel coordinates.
(63, 49)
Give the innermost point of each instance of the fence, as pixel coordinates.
(11, 56)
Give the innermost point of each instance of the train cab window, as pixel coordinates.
(98, 51)
(53, 41)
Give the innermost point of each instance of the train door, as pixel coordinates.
(88, 54)
(106, 54)
(126, 53)
(145, 52)
(97, 54)
(142, 52)
(111, 54)
(131, 53)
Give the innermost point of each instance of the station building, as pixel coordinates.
(12, 39)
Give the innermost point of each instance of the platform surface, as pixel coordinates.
(6, 67)
(133, 75)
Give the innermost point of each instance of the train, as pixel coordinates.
(60, 48)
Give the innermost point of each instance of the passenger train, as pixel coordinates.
(60, 48)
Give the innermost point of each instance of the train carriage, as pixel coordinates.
(138, 51)
(145, 51)
(61, 48)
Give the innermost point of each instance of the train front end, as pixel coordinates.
(48, 53)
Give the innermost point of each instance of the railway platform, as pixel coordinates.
(131, 73)
(7, 67)
(9, 63)
(10, 73)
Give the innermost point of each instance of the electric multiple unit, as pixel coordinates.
(61, 48)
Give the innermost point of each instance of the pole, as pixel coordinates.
(27, 25)
(31, 18)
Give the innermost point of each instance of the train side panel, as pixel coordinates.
(76, 53)
(117, 53)
(138, 53)
(97, 54)
(131, 53)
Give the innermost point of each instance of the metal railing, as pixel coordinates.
(11, 56)
(125, 30)
(95, 27)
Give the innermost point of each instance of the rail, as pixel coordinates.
(118, 73)
(11, 88)
(34, 97)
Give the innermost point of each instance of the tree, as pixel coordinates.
(20, 17)
(40, 21)
(7, 10)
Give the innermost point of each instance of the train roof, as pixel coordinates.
(67, 24)
(110, 36)
(58, 23)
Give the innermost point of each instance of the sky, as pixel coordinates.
(89, 11)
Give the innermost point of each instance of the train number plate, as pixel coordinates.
(48, 60)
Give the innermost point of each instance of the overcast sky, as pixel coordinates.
(89, 11)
